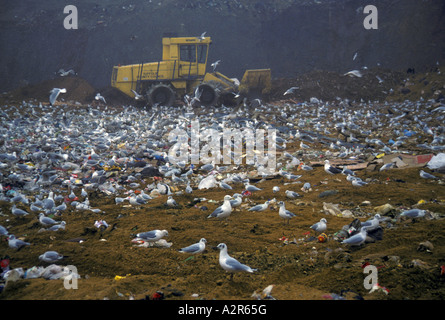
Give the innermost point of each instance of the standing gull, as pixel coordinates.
(3, 231)
(230, 264)
(171, 202)
(46, 221)
(18, 212)
(153, 235)
(15, 243)
(291, 194)
(356, 239)
(330, 169)
(251, 188)
(320, 226)
(224, 210)
(260, 207)
(426, 175)
(237, 200)
(284, 213)
(195, 248)
(372, 223)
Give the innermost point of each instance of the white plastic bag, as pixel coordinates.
(437, 162)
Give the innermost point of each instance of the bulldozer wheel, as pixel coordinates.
(209, 94)
(161, 94)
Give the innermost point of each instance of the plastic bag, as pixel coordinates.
(437, 162)
(34, 272)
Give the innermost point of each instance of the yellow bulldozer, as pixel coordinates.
(183, 71)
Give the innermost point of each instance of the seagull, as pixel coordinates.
(413, 213)
(195, 248)
(265, 294)
(306, 187)
(153, 235)
(215, 64)
(320, 226)
(57, 227)
(387, 166)
(306, 167)
(290, 90)
(119, 200)
(3, 231)
(260, 207)
(100, 97)
(356, 239)
(357, 182)
(15, 243)
(51, 256)
(284, 213)
(251, 188)
(202, 36)
(236, 201)
(136, 200)
(291, 194)
(64, 73)
(303, 145)
(18, 212)
(137, 96)
(171, 202)
(54, 93)
(275, 189)
(45, 221)
(224, 185)
(330, 169)
(230, 264)
(49, 203)
(354, 73)
(224, 210)
(347, 171)
(372, 223)
(427, 175)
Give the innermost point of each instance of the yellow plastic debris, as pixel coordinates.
(117, 278)
(380, 155)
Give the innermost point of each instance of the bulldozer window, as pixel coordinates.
(188, 53)
(202, 53)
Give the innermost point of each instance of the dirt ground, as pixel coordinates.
(288, 256)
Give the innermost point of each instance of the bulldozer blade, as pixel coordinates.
(256, 83)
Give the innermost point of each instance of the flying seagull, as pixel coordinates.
(54, 93)
(137, 96)
(290, 90)
(100, 97)
(215, 64)
(201, 37)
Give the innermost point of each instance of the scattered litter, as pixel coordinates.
(162, 243)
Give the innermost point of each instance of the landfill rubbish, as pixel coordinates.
(93, 168)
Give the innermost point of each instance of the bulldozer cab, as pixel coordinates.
(190, 53)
